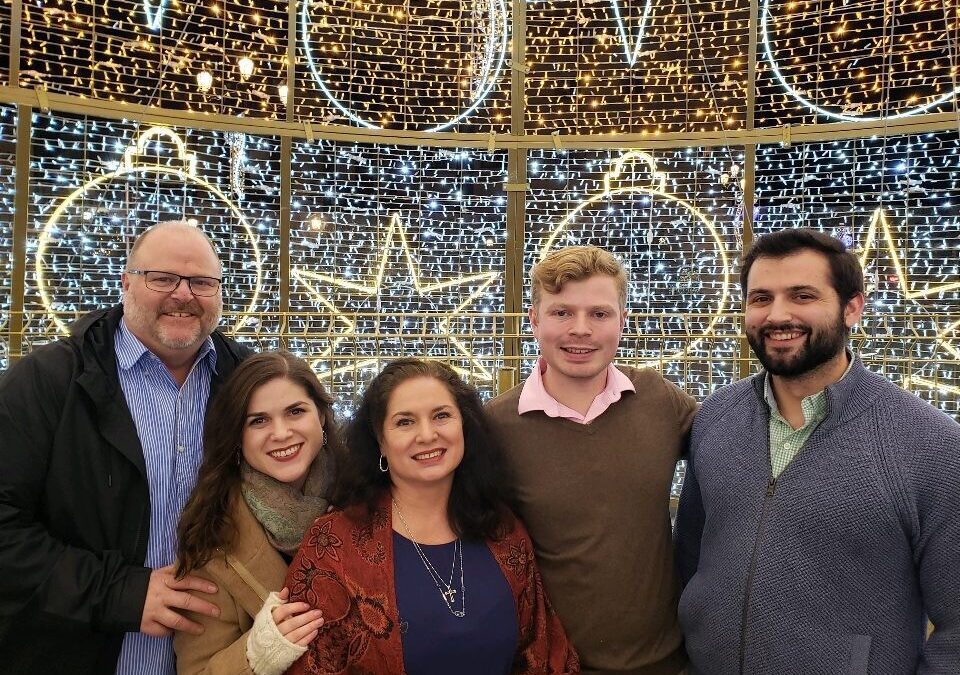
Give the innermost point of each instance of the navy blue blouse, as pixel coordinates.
(483, 641)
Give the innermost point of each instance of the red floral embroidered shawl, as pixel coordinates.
(345, 567)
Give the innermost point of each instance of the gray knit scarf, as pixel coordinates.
(283, 510)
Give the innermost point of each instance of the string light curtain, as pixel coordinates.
(408, 247)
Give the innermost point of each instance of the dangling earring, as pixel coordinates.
(384, 467)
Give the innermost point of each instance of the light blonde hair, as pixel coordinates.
(576, 263)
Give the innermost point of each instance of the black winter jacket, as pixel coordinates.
(74, 503)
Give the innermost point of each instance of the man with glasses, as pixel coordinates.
(102, 439)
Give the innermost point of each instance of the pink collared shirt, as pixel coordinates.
(534, 396)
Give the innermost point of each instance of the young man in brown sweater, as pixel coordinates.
(593, 448)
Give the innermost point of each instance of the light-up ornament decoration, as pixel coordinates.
(346, 328)
(135, 162)
(486, 69)
(631, 46)
(617, 187)
(945, 340)
(845, 114)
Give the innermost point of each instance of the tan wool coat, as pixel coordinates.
(244, 577)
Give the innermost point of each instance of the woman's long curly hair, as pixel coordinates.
(481, 497)
(205, 524)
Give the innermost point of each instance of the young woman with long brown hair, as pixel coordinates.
(268, 438)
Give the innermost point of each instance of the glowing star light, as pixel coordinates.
(879, 222)
(946, 341)
(945, 338)
(395, 238)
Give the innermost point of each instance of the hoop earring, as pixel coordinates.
(384, 467)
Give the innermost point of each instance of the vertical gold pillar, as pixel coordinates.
(20, 213)
(286, 169)
(749, 172)
(516, 203)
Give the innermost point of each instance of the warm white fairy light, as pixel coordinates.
(204, 80)
(245, 66)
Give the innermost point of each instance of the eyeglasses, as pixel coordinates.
(168, 282)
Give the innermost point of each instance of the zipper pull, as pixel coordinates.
(771, 486)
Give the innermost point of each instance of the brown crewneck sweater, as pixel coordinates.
(595, 498)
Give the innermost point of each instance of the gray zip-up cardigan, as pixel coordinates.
(833, 567)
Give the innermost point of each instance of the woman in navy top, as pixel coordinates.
(425, 570)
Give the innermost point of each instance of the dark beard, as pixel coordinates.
(821, 347)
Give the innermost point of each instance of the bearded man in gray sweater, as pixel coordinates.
(819, 524)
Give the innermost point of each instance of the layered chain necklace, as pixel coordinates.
(450, 594)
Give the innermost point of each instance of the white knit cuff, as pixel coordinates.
(268, 651)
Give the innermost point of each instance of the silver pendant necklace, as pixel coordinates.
(448, 595)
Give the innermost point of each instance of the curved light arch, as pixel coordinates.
(489, 79)
(130, 166)
(768, 50)
(657, 188)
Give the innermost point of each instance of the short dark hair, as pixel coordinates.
(205, 524)
(481, 497)
(846, 274)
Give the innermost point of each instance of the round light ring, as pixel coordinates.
(488, 85)
(768, 51)
(46, 234)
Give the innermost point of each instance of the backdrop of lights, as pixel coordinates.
(379, 239)
(636, 67)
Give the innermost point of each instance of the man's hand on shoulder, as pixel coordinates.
(166, 594)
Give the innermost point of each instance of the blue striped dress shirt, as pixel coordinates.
(169, 422)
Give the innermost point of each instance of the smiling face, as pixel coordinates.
(578, 330)
(283, 431)
(795, 322)
(422, 435)
(171, 325)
